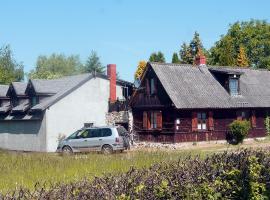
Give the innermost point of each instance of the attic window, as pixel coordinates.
(34, 100)
(234, 86)
(152, 86)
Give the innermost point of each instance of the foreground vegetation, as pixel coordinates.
(243, 174)
(27, 169)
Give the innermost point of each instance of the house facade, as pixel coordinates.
(187, 103)
(35, 114)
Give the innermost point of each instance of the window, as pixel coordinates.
(233, 86)
(152, 86)
(153, 120)
(105, 132)
(34, 100)
(94, 133)
(201, 120)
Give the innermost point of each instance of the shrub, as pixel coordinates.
(239, 130)
(267, 125)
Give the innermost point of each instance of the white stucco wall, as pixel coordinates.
(27, 135)
(88, 103)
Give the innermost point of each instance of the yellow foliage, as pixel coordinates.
(140, 69)
(242, 60)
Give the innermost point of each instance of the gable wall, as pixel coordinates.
(88, 103)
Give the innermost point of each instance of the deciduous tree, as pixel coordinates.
(140, 69)
(55, 66)
(242, 60)
(10, 69)
(157, 57)
(253, 35)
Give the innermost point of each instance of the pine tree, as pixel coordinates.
(175, 58)
(242, 60)
(186, 54)
(93, 64)
(140, 69)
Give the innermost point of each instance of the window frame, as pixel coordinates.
(231, 79)
(201, 121)
(152, 86)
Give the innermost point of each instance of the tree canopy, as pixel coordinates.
(55, 66)
(188, 52)
(93, 64)
(157, 57)
(252, 35)
(10, 69)
(140, 69)
(175, 58)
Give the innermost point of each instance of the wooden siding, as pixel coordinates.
(168, 134)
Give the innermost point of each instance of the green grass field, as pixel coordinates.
(27, 169)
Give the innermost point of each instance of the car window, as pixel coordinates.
(122, 131)
(82, 134)
(73, 135)
(105, 132)
(94, 133)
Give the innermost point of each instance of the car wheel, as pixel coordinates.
(67, 150)
(107, 149)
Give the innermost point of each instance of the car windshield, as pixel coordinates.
(122, 131)
(73, 135)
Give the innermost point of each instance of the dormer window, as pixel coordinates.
(34, 100)
(234, 86)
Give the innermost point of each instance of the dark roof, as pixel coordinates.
(3, 90)
(191, 86)
(59, 88)
(19, 88)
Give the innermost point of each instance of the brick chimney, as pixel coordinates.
(111, 73)
(200, 59)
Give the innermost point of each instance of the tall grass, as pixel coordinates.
(27, 169)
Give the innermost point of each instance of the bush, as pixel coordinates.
(267, 125)
(239, 130)
(243, 174)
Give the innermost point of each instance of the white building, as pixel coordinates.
(34, 115)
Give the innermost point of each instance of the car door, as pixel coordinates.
(94, 139)
(79, 141)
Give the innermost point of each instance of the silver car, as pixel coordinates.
(105, 139)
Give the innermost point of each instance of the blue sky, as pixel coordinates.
(121, 31)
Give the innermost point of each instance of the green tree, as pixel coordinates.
(10, 69)
(175, 58)
(242, 60)
(157, 57)
(93, 64)
(188, 52)
(253, 35)
(55, 66)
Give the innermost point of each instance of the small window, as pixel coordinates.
(152, 86)
(202, 121)
(34, 100)
(153, 120)
(245, 115)
(106, 132)
(233, 86)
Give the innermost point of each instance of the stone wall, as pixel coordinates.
(120, 117)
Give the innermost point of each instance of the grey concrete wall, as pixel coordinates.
(27, 135)
(88, 103)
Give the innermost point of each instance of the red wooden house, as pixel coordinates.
(179, 102)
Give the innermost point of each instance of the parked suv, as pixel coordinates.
(106, 139)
